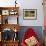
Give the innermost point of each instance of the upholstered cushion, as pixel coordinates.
(31, 41)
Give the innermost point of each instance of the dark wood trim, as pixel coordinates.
(11, 26)
(5, 8)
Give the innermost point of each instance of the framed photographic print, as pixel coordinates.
(5, 12)
(30, 14)
(12, 12)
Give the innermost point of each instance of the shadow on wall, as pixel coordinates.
(37, 29)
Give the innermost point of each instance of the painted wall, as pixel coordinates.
(37, 29)
(31, 4)
(27, 4)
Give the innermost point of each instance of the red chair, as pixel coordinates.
(29, 33)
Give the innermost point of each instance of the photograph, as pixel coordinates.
(30, 14)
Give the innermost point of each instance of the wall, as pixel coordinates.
(38, 30)
(31, 4)
(27, 4)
